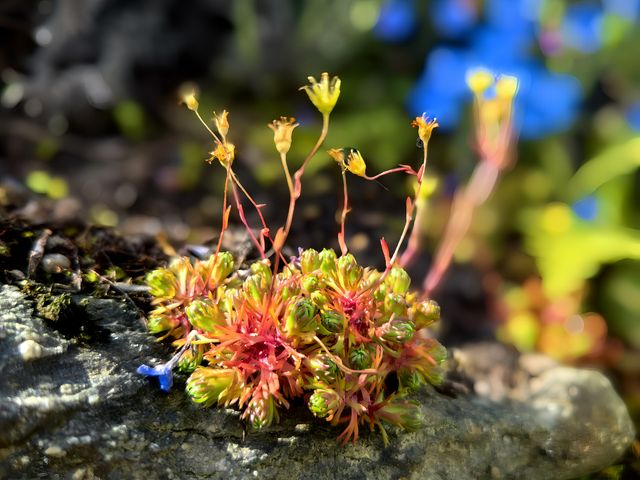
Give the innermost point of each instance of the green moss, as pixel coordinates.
(48, 305)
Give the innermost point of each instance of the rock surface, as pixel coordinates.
(76, 409)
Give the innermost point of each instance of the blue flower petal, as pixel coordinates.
(163, 372)
(453, 18)
(632, 114)
(582, 27)
(166, 381)
(586, 208)
(146, 370)
(396, 21)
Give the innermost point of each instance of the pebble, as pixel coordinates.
(55, 451)
(30, 350)
(66, 389)
(55, 263)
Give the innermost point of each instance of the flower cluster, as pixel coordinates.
(501, 35)
(323, 329)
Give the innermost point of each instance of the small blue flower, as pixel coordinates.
(163, 372)
(582, 27)
(454, 18)
(586, 208)
(632, 115)
(397, 21)
(547, 102)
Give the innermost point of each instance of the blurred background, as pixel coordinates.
(91, 127)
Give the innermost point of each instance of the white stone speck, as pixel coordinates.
(30, 350)
(55, 451)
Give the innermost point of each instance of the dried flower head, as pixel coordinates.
(224, 153)
(222, 123)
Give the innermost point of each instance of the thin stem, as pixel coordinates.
(207, 126)
(464, 205)
(411, 205)
(223, 227)
(295, 187)
(244, 220)
(292, 194)
(341, 365)
(314, 150)
(387, 172)
(413, 245)
(343, 216)
(298, 175)
(265, 229)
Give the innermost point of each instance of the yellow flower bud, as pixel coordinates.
(190, 100)
(222, 123)
(355, 163)
(425, 126)
(323, 94)
(282, 132)
(479, 80)
(506, 87)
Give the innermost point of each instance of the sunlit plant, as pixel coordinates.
(350, 341)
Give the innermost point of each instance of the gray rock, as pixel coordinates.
(78, 410)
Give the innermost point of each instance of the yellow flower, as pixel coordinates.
(282, 132)
(222, 123)
(324, 94)
(506, 87)
(224, 153)
(479, 80)
(190, 100)
(355, 163)
(425, 127)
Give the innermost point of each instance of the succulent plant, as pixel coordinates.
(319, 327)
